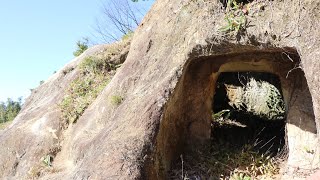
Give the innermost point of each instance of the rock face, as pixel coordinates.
(166, 87)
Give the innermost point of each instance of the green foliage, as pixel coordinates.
(9, 110)
(82, 92)
(3, 111)
(85, 89)
(4, 125)
(116, 100)
(217, 116)
(221, 118)
(81, 47)
(127, 35)
(235, 18)
(94, 65)
(240, 176)
(47, 160)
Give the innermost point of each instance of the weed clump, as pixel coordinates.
(94, 65)
(235, 18)
(95, 75)
(81, 94)
(116, 100)
(81, 47)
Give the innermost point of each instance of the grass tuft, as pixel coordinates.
(81, 47)
(221, 161)
(235, 18)
(116, 100)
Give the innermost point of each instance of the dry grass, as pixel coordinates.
(222, 161)
(95, 75)
(228, 160)
(258, 97)
(116, 100)
(81, 93)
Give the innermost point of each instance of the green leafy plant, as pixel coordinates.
(217, 116)
(95, 73)
(81, 47)
(308, 150)
(94, 65)
(9, 110)
(47, 160)
(235, 18)
(81, 94)
(85, 89)
(116, 100)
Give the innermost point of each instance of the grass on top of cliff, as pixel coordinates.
(81, 47)
(95, 75)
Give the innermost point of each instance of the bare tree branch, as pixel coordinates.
(120, 17)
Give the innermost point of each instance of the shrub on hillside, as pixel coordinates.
(81, 47)
(9, 110)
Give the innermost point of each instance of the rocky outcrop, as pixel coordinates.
(37, 132)
(166, 86)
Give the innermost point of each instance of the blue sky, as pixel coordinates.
(37, 37)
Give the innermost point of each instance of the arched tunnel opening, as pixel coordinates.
(248, 130)
(248, 126)
(208, 131)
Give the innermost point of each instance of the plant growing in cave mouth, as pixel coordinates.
(257, 97)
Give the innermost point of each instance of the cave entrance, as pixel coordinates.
(248, 108)
(248, 125)
(191, 145)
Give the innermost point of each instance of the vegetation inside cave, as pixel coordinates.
(248, 131)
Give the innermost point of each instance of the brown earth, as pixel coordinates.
(167, 84)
